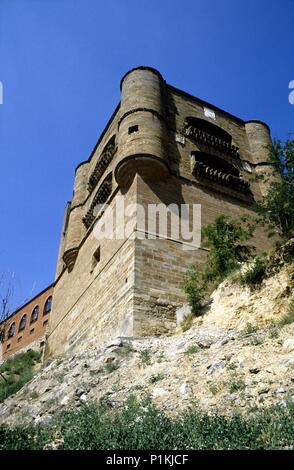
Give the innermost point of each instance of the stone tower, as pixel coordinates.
(160, 146)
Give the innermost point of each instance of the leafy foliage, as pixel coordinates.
(193, 349)
(143, 426)
(17, 372)
(277, 206)
(224, 238)
(195, 288)
(145, 357)
(254, 275)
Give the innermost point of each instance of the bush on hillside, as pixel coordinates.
(143, 426)
(254, 274)
(17, 371)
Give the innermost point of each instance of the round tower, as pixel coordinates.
(259, 138)
(75, 227)
(141, 127)
(258, 134)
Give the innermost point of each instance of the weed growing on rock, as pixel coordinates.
(288, 318)
(236, 384)
(250, 329)
(193, 349)
(186, 324)
(125, 350)
(111, 367)
(156, 378)
(145, 357)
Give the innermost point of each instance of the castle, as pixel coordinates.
(164, 147)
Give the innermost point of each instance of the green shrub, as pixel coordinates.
(143, 426)
(224, 238)
(145, 357)
(277, 205)
(111, 367)
(195, 289)
(254, 275)
(192, 349)
(18, 371)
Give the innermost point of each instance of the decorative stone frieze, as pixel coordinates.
(102, 164)
(200, 136)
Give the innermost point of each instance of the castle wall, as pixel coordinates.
(160, 264)
(93, 303)
(147, 155)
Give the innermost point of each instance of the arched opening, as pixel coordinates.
(208, 128)
(23, 322)
(216, 163)
(48, 305)
(217, 170)
(11, 330)
(35, 314)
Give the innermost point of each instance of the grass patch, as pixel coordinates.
(187, 323)
(250, 329)
(140, 426)
(125, 350)
(59, 376)
(274, 332)
(215, 388)
(288, 318)
(236, 384)
(18, 371)
(111, 367)
(193, 349)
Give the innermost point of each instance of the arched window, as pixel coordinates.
(11, 330)
(22, 323)
(35, 314)
(48, 305)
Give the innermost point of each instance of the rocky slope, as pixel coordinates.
(231, 358)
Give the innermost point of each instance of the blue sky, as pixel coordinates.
(60, 65)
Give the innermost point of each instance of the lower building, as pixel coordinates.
(26, 327)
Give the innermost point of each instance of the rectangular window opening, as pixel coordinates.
(19, 339)
(96, 258)
(133, 129)
(32, 331)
